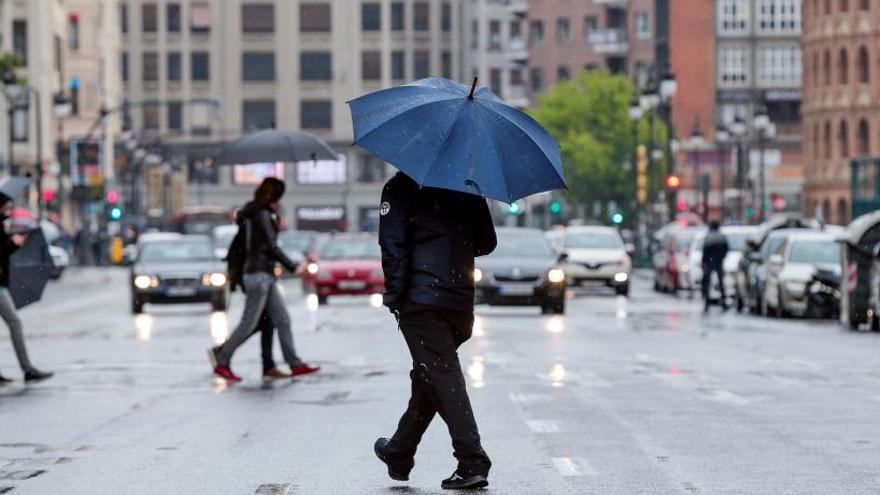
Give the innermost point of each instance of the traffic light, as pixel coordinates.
(555, 207)
(112, 196)
(617, 218)
(750, 211)
(514, 209)
(641, 174)
(115, 213)
(673, 182)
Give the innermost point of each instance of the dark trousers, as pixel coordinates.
(433, 335)
(266, 329)
(708, 270)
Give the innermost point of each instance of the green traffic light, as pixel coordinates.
(555, 207)
(115, 213)
(617, 218)
(513, 208)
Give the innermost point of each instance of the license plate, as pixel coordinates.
(352, 284)
(516, 289)
(181, 291)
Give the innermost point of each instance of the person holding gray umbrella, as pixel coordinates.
(9, 243)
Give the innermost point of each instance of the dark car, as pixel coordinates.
(524, 270)
(174, 269)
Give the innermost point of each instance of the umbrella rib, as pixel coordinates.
(500, 157)
(401, 114)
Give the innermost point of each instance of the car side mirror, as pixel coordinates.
(563, 257)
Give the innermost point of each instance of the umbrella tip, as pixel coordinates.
(473, 88)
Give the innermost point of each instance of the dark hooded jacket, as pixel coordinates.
(715, 249)
(7, 247)
(262, 251)
(429, 238)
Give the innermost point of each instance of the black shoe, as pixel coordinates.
(4, 380)
(34, 375)
(397, 470)
(469, 482)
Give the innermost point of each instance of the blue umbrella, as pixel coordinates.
(444, 134)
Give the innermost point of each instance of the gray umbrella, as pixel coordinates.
(273, 145)
(13, 186)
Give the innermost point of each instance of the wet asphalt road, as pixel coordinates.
(620, 396)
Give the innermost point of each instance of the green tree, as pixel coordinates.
(10, 62)
(588, 116)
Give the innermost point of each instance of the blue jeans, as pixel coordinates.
(261, 293)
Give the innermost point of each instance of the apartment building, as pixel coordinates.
(197, 73)
(841, 106)
(494, 46)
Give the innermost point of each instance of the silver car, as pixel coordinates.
(791, 267)
(596, 254)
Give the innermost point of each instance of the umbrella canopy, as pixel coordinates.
(273, 145)
(13, 186)
(444, 134)
(30, 268)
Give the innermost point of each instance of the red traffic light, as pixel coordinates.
(48, 195)
(673, 181)
(682, 206)
(112, 196)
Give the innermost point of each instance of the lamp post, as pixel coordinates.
(764, 130)
(668, 88)
(695, 143)
(722, 138)
(738, 130)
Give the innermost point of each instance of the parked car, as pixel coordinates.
(672, 262)
(61, 260)
(736, 239)
(221, 237)
(524, 270)
(347, 264)
(176, 268)
(294, 243)
(860, 272)
(790, 268)
(597, 255)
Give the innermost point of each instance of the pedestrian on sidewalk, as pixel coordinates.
(258, 220)
(715, 248)
(429, 238)
(8, 245)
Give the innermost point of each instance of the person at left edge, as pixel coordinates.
(261, 290)
(8, 245)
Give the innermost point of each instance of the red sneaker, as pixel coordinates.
(225, 372)
(303, 369)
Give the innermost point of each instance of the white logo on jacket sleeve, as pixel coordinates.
(384, 208)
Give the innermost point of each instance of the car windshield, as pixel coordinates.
(736, 242)
(596, 240)
(771, 245)
(814, 252)
(294, 242)
(519, 245)
(339, 249)
(160, 251)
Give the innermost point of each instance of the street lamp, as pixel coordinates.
(722, 138)
(668, 86)
(764, 130)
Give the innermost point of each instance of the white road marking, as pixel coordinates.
(727, 397)
(525, 397)
(573, 466)
(542, 426)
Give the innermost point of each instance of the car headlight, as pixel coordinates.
(312, 268)
(620, 277)
(684, 268)
(478, 274)
(556, 275)
(145, 281)
(217, 279)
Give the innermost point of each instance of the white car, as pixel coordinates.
(791, 267)
(60, 258)
(736, 240)
(221, 237)
(596, 254)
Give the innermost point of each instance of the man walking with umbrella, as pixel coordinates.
(8, 245)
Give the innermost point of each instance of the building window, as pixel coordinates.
(815, 71)
(446, 17)
(826, 68)
(174, 70)
(314, 17)
(864, 65)
(19, 40)
(475, 34)
(733, 16)
(495, 81)
(73, 32)
(590, 24)
(865, 4)
(816, 138)
(151, 115)
(516, 31)
(843, 67)
(844, 5)
(863, 138)
(315, 114)
(175, 119)
(827, 140)
(397, 16)
(150, 66)
(643, 25)
(123, 66)
(842, 212)
(516, 78)
(733, 66)
(258, 66)
(200, 66)
(258, 18)
(421, 16)
(257, 114)
(421, 64)
(21, 120)
(563, 73)
(200, 18)
(371, 65)
(779, 66)
(371, 169)
(563, 30)
(446, 64)
(536, 33)
(827, 7)
(843, 139)
(123, 18)
(149, 18)
(398, 65)
(315, 66)
(172, 17)
(536, 78)
(494, 36)
(779, 16)
(371, 17)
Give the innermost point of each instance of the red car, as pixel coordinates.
(347, 264)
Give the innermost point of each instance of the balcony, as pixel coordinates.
(609, 41)
(517, 7)
(517, 50)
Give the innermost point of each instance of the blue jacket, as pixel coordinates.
(429, 238)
